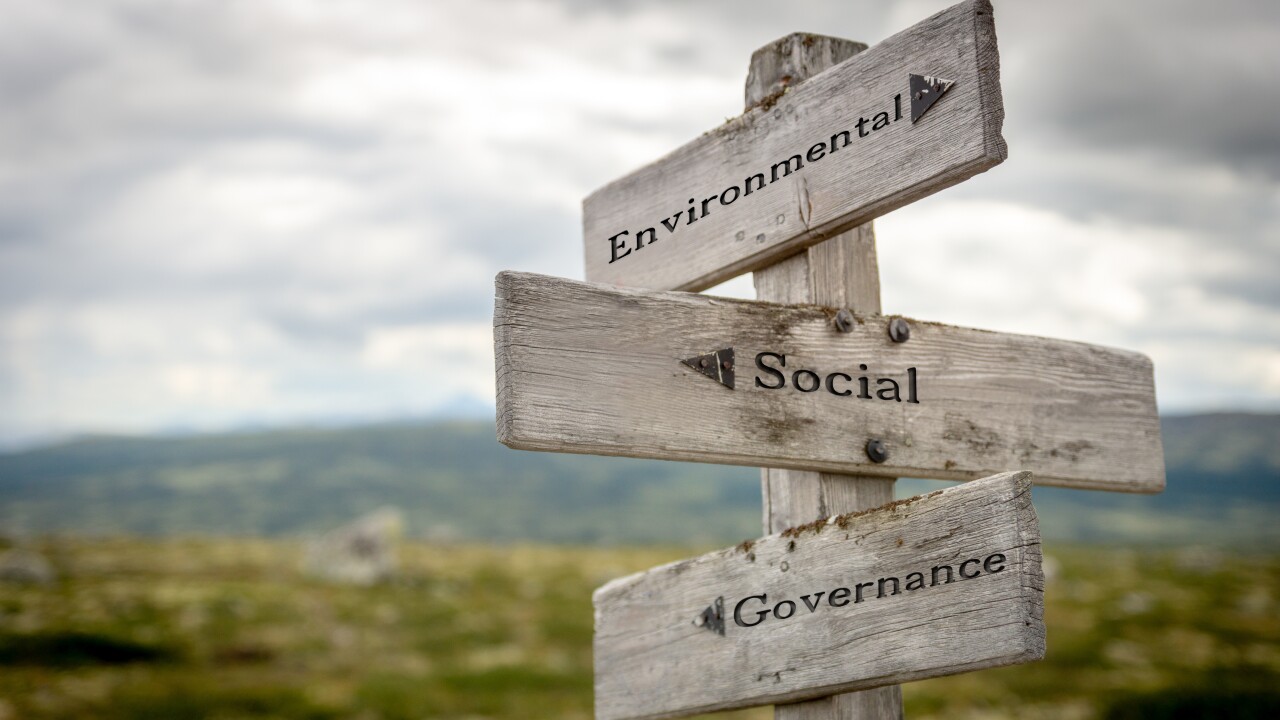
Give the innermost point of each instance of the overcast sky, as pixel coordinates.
(219, 214)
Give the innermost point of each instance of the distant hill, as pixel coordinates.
(453, 480)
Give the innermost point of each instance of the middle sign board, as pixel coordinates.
(588, 368)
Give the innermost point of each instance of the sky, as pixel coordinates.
(219, 215)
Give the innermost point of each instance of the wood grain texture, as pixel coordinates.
(839, 272)
(795, 497)
(958, 138)
(586, 368)
(880, 703)
(790, 60)
(655, 659)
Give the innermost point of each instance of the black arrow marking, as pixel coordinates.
(717, 365)
(925, 91)
(713, 617)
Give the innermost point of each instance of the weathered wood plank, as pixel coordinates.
(587, 368)
(835, 189)
(658, 654)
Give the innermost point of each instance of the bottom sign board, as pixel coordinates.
(935, 585)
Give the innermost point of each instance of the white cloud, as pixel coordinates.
(453, 358)
(1000, 264)
(1012, 268)
(274, 211)
(217, 385)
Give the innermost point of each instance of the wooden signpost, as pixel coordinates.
(839, 602)
(944, 583)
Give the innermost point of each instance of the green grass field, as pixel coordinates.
(216, 628)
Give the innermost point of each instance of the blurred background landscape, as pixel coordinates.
(176, 577)
(453, 482)
(247, 454)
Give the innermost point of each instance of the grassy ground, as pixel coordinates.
(232, 629)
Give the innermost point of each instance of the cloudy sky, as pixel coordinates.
(227, 214)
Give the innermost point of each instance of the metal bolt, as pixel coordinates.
(844, 321)
(704, 363)
(877, 451)
(899, 330)
(726, 365)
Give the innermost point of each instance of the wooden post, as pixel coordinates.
(662, 642)
(839, 272)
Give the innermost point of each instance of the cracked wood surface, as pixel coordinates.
(958, 138)
(587, 368)
(654, 659)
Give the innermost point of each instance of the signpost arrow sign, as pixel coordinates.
(717, 365)
(829, 154)
(712, 618)
(925, 91)
(587, 368)
(943, 583)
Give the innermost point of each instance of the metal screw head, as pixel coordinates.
(877, 451)
(844, 321)
(726, 365)
(899, 330)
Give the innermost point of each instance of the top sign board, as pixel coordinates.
(917, 113)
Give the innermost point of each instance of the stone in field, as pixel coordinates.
(362, 552)
(25, 566)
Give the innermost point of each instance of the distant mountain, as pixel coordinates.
(453, 480)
